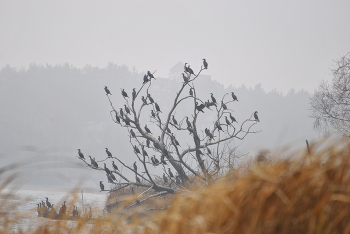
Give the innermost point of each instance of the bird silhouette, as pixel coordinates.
(81, 155)
(109, 154)
(125, 95)
(107, 91)
(256, 116)
(205, 64)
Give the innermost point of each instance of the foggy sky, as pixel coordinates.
(281, 44)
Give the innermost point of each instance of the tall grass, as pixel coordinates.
(305, 194)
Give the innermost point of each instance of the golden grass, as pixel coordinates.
(309, 194)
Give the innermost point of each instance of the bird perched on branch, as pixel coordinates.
(109, 154)
(165, 179)
(208, 133)
(256, 116)
(227, 121)
(191, 92)
(106, 169)
(132, 133)
(162, 160)
(174, 120)
(144, 100)
(234, 97)
(81, 155)
(205, 64)
(170, 173)
(217, 124)
(107, 91)
(213, 98)
(127, 110)
(117, 117)
(138, 180)
(223, 105)
(125, 95)
(157, 107)
(150, 75)
(150, 98)
(133, 93)
(121, 112)
(147, 143)
(136, 149)
(145, 79)
(190, 70)
(147, 129)
(200, 107)
(93, 162)
(102, 186)
(144, 152)
(188, 122)
(48, 204)
(156, 160)
(135, 166)
(233, 119)
(115, 166)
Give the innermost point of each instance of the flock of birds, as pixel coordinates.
(123, 116)
(46, 209)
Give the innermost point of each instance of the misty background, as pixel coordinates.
(56, 57)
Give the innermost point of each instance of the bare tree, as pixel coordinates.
(200, 157)
(330, 104)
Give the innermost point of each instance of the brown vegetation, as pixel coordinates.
(308, 194)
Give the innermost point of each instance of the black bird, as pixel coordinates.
(147, 143)
(176, 142)
(185, 78)
(170, 173)
(132, 133)
(153, 162)
(109, 178)
(136, 149)
(190, 70)
(208, 133)
(205, 64)
(81, 155)
(174, 120)
(93, 162)
(133, 93)
(200, 107)
(256, 116)
(217, 124)
(144, 152)
(144, 100)
(157, 107)
(64, 207)
(135, 166)
(165, 179)
(223, 105)
(150, 98)
(168, 130)
(125, 95)
(153, 114)
(138, 180)
(147, 130)
(127, 122)
(191, 92)
(121, 112)
(145, 79)
(48, 204)
(185, 68)
(227, 121)
(233, 119)
(115, 166)
(113, 177)
(107, 91)
(150, 75)
(102, 186)
(117, 117)
(213, 98)
(109, 154)
(127, 110)
(106, 169)
(234, 97)
(209, 151)
(188, 122)
(190, 129)
(156, 160)
(177, 180)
